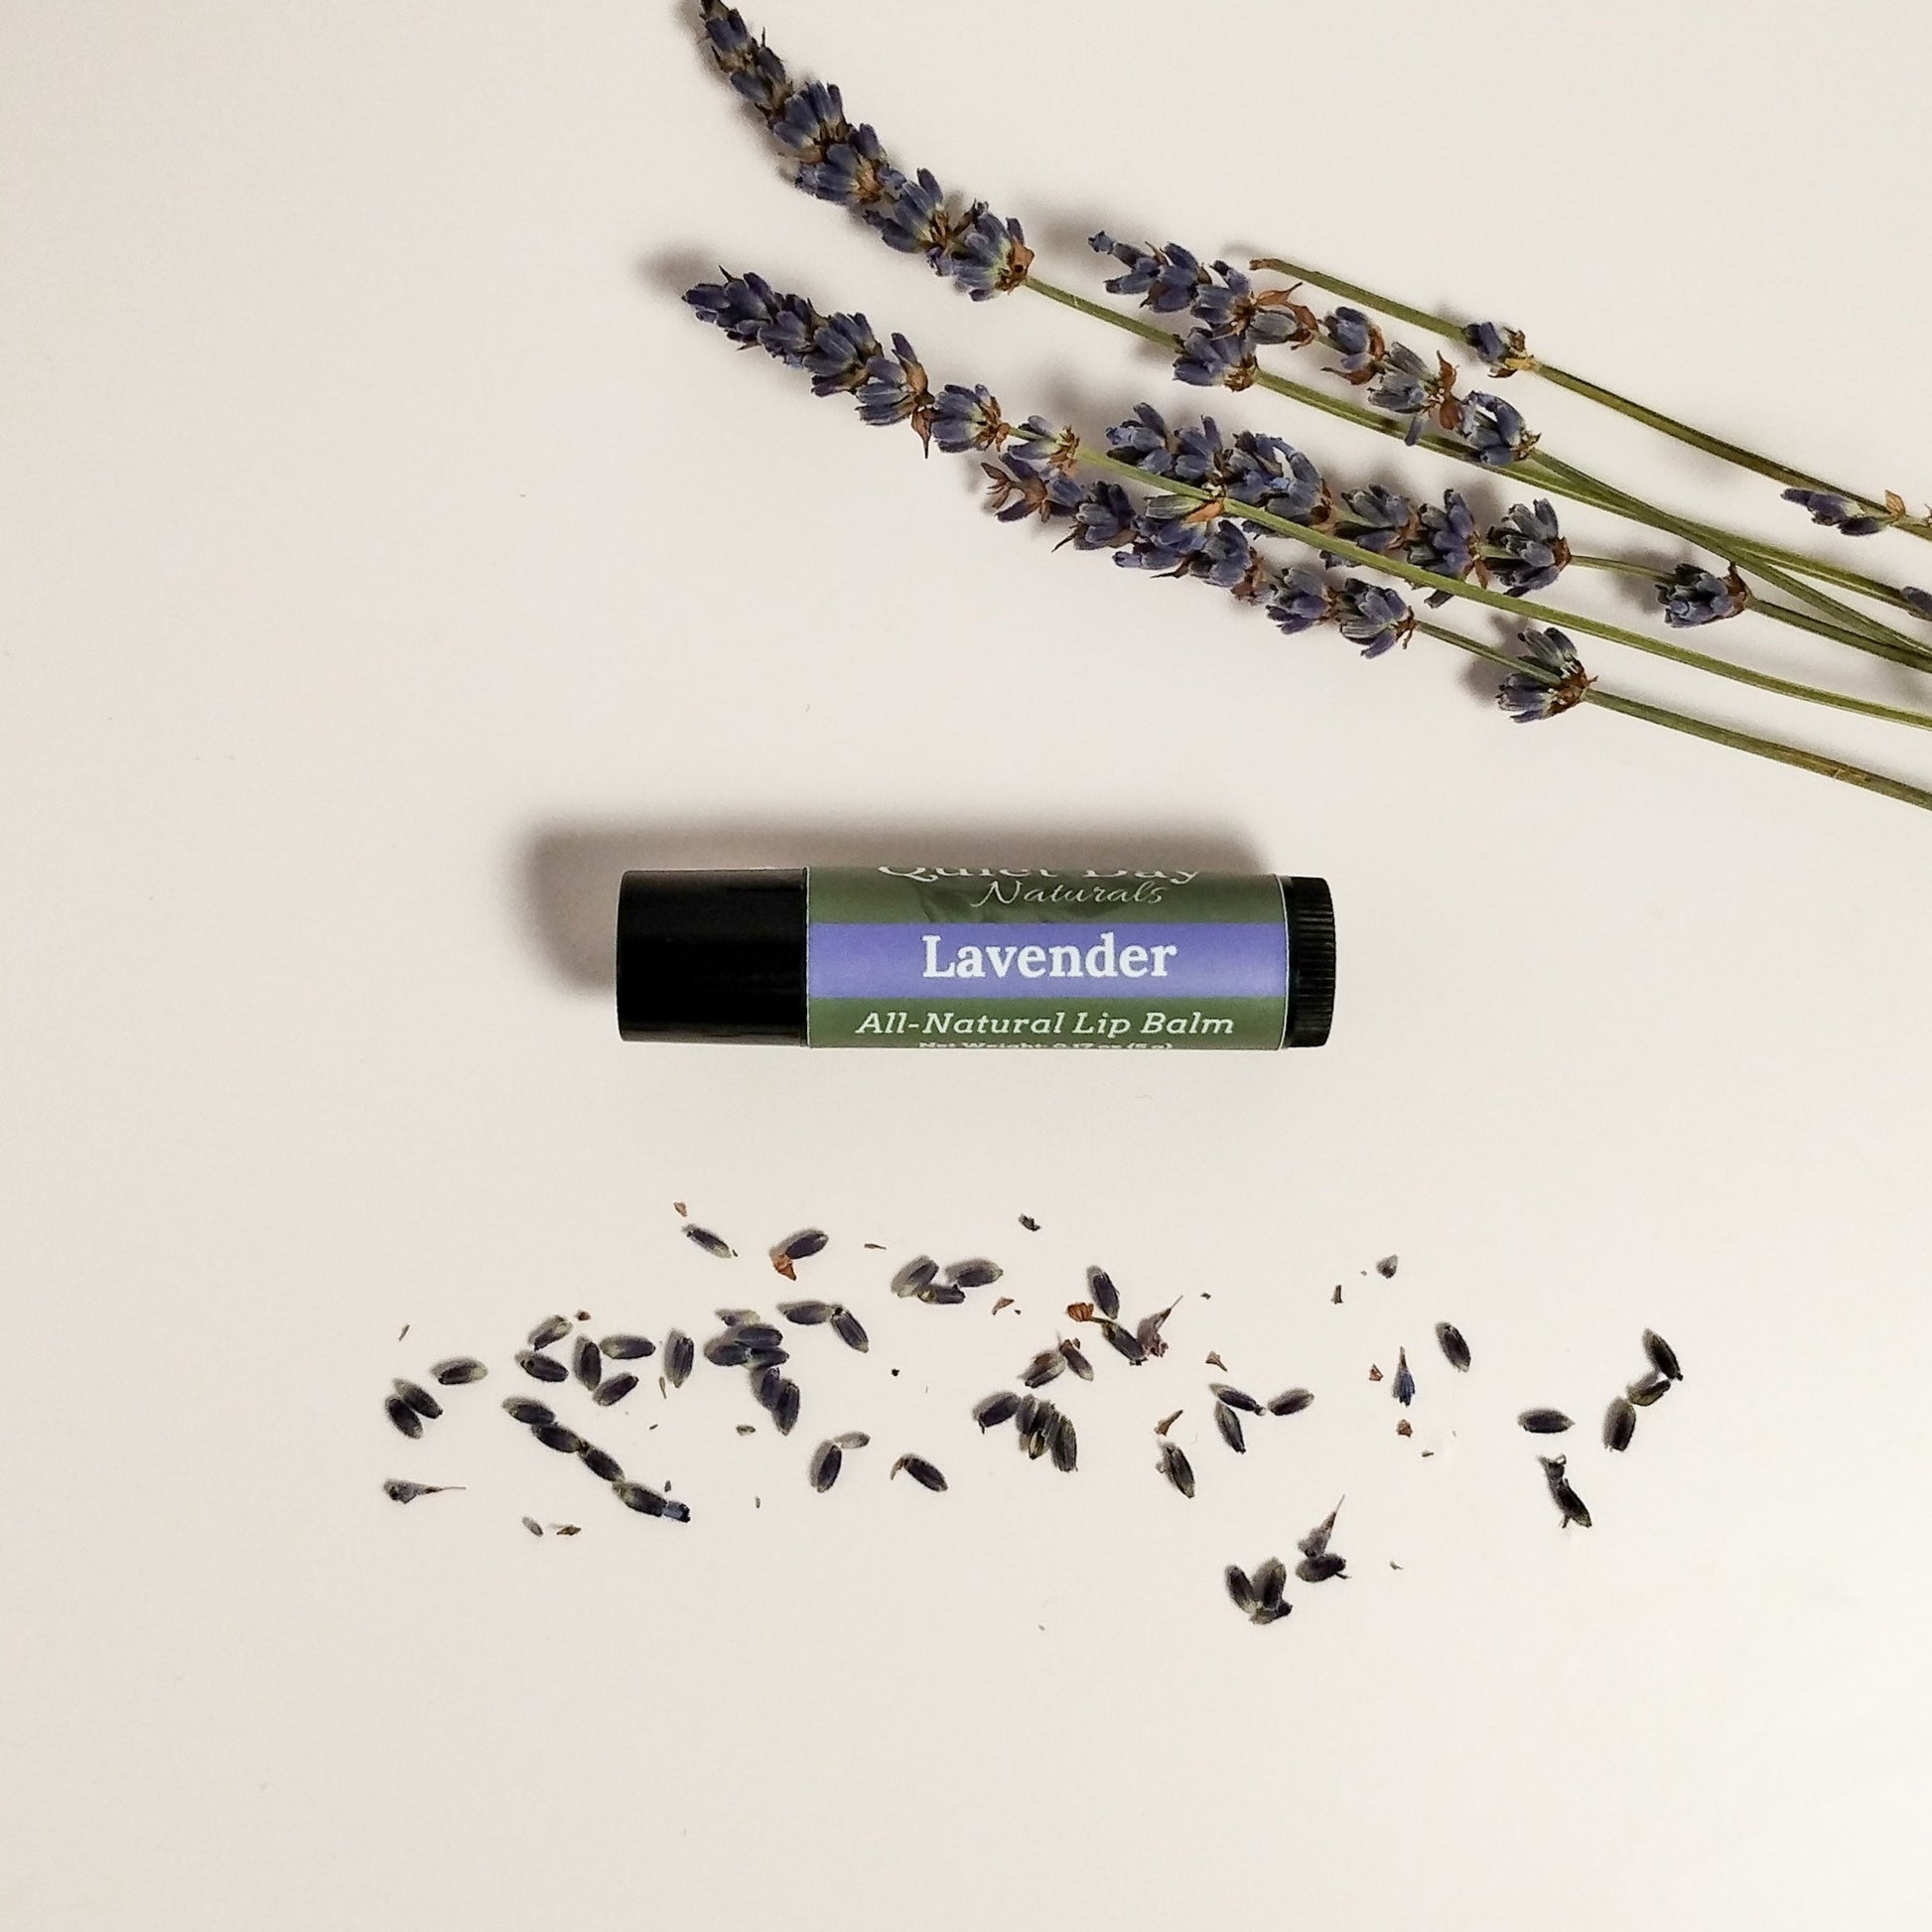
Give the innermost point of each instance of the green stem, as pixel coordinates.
(1521, 607)
(1714, 733)
(1546, 472)
(1717, 446)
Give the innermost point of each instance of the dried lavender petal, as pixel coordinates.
(917, 1275)
(678, 1356)
(586, 1360)
(1102, 1293)
(615, 1390)
(921, 1471)
(807, 1314)
(1456, 1350)
(1076, 1360)
(1270, 1581)
(1662, 1357)
(627, 1348)
(1543, 1422)
(533, 1415)
(554, 1436)
(1176, 1467)
(1065, 1443)
(1044, 1367)
(1315, 1541)
(541, 1368)
(1235, 1398)
(418, 1398)
(1240, 1589)
(1651, 1389)
(827, 1460)
(851, 1331)
(458, 1369)
(1318, 1569)
(1565, 1497)
(784, 1408)
(1290, 1402)
(712, 1244)
(1620, 1424)
(1028, 1222)
(807, 1241)
(1125, 1342)
(1229, 1424)
(978, 1272)
(602, 1463)
(993, 1410)
(399, 1491)
(403, 1416)
(552, 1329)
(634, 1495)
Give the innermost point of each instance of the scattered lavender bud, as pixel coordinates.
(541, 1368)
(806, 1315)
(615, 1390)
(533, 1415)
(1543, 1422)
(1235, 1398)
(1565, 1497)
(1076, 1360)
(1176, 1467)
(457, 1370)
(1404, 1386)
(1315, 1543)
(552, 1329)
(627, 1348)
(851, 1331)
(1662, 1357)
(1103, 1294)
(1124, 1342)
(916, 1276)
(827, 1459)
(1620, 1424)
(601, 1463)
(1044, 1367)
(1229, 1424)
(712, 1244)
(1270, 1578)
(403, 1416)
(1318, 1569)
(1649, 1390)
(679, 1353)
(634, 1495)
(975, 1274)
(588, 1361)
(1454, 1349)
(554, 1436)
(1290, 1402)
(399, 1491)
(1241, 1589)
(531, 1524)
(418, 1398)
(921, 1471)
(996, 1409)
(1065, 1444)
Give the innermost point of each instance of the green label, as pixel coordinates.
(986, 956)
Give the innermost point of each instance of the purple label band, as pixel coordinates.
(992, 961)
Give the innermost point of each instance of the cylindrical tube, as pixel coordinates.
(976, 956)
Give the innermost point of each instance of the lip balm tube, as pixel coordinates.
(977, 956)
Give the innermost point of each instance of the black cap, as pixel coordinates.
(1310, 913)
(712, 955)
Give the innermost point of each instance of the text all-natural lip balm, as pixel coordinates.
(977, 956)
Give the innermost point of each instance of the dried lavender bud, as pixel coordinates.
(1318, 1569)
(1044, 1367)
(974, 1274)
(853, 1438)
(1024, 1416)
(1290, 1402)
(1076, 1360)
(1565, 1497)
(807, 1314)
(995, 1409)
(1619, 1424)
(726, 1351)
(1270, 1581)
(601, 1463)
(736, 1318)
(676, 1512)
(1229, 1424)
(634, 1495)
(1315, 1541)
(1404, 1387)
(1543, 1422)
(554, 1436)
(531, 1524)
(827, 1460)
(1148, 1330)
(1240, 1589)
(1662, 1357)
(758, 1334)
(588, 1361)
(1103, 1294)
(541, 1368)
(533, 1415)
(766, 1384)
(1454, 1349)
(1649, 1390)
(921, 1471)
(851, 1331)
(1028, 1222)
(457, 1370)
(399, 1491)
(418, 1398)
(678, 1354)
(552, 1329)
(1125, 1342)
(1386, 1267)
(758, 1358)
(615, 1390)
(942, 1294)
(627, 1348)
(403, 1416)
(712, 1244)
(784, 1408)
(1039, 1436)
(1176, 1467)
(1065, 1443)
(1235, 1398)
(808, 1241)
(916, 1276)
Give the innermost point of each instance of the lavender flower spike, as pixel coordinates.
(1496, 433)
(1691, 595)
(1527, 696)
(1527, 550)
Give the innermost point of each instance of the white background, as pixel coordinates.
(390, 558)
